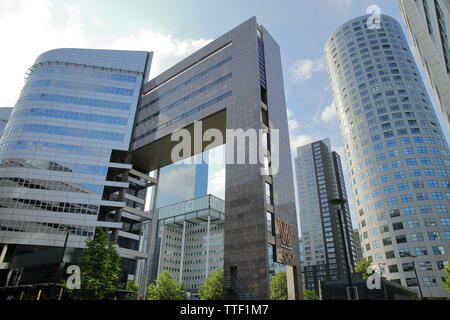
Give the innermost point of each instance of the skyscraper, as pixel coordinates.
(320, 180)
(234, 82)
(397, 154)
(428, 22)
(56, 158)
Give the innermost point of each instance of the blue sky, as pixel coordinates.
(174, 29)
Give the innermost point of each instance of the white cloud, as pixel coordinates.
(167, 49)
(97, 22)
(30, 28)
(328, 114)
(216, 183)
(177, 183)
(303, 69)
(339, 6)
(292, 122)
(345, 3)
(298, 140)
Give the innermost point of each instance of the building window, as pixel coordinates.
(407, 267)
(425, 266)
(387, 241)
(415, 237)
(429, 281)
(390, 254)
(434, 236)
(270, 226)
(421, 251)
(268, 193)
(438, 250)
(401, 239)
(395, 213)
(411, 282)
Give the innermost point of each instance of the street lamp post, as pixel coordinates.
(415, 273)
(339, 202)
(58, 273)
(381, 278)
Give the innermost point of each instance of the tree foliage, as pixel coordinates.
(447, 275)
(212, 288)
(310, 295)
(278, 287)
(361, 268)
(100, 267)
(134, 288)
(166, 287)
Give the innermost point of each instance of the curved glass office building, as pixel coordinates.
(75, 108)
(396, 152)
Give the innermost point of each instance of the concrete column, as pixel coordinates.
(291, 283)
(151, 240)
(161, 246)
(182, 251)
(3, 253)
(208, 227)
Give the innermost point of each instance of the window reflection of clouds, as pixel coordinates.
(216, 172)
(176, 184)
(184, 180)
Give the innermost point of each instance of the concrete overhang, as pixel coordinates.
(157, 154)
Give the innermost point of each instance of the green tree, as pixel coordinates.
(361, 268)
(278, 287)
(100, 267)
(310, 295)
(212, 288)
(70, 294)
(166, 287)
(134, 288)
(447, 275)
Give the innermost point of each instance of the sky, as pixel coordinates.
(173, 29)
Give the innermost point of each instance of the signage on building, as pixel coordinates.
(285, 231)
(285, 256)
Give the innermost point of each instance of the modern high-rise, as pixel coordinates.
(5, 113)
(428, 22)
(327, 232)
(234, 82)
(90, 144)
(58, 171)
(397, 153)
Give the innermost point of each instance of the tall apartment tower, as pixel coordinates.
(397, 153)
(428, 22)
(74, 112)
(320, 180)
